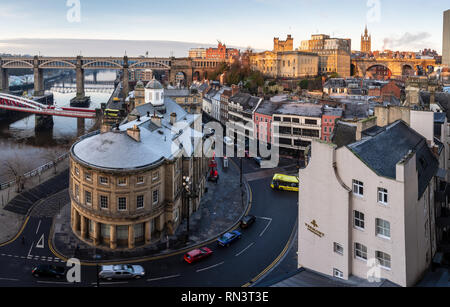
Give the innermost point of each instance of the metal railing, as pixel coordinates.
(36, 172)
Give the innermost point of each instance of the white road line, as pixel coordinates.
(39, 225)
(54, 282)
(9, 279)
(31, 247)
(111, 283)
(162, 278)
(237, 255)
(211, 267)
(267, 219)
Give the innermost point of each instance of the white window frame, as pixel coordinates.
(120, 182)
(89, 203)
(137, 202)
(361, 249)
(104, 183)
(338, 274)
(157, 197)
(138, 180)
(88, 177)
(380, 230)
(357, 186)
(119, 203)
(359, 220)
(383, 196)
(101, 203)
(380, 257)
(338, 249)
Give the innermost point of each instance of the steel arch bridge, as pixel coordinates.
(21, 104)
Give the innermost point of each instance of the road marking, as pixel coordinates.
(54, 282)
(31, 247)
(211, 267)
(9, 279)
(162, 278)
(39, 225)
(40, 243)
(267, 219)
(237, 255)
(111, 283)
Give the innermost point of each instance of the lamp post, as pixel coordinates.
(187, 191)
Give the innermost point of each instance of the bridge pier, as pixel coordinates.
(4, 80)
(94, 74)
(126, 77)
(43, 123)
(38, 79)
(81, 126)
(80, 100)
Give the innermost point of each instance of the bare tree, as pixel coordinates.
(16, 167)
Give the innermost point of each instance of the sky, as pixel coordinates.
(396, 25)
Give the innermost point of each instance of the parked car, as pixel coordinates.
(248, 221)
(229, 238)
(47, 270)
(197, 254)
(122, 271)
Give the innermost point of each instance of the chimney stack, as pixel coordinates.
(156, 120)
(134, 133)
(234, 89)
(173, 118)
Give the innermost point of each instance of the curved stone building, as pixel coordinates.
(126, 183)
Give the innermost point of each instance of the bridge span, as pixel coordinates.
(21, 104)
(176, 68)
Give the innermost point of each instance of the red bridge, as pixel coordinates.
(20, 104)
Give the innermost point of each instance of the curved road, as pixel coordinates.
(242, 264)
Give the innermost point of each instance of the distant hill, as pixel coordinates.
(90, 47)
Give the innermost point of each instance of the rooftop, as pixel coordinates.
(116, 150)
(393, 143)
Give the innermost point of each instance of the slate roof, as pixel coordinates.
(386, 149)
(247, 101)
(441, 98)
(343, 134)
(299, 108)
(115, 150)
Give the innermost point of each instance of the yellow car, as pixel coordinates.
(285, 183)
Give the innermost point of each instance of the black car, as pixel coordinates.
(247, 221)
(47, 270)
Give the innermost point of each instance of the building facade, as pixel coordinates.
(281, 46)
(286, 64)
(366, 42)
(446, 40)
(367, 209)
(334, 54)
(126, 183)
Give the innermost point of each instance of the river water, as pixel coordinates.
(23, 149)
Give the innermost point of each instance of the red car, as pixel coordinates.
(197, 254)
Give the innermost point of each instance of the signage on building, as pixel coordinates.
(313, 227)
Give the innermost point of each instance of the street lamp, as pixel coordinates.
(187, 191)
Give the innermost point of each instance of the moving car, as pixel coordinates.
(47, 270)
(229, 238)
(197, 254)
(285, 183)
(122, 271)
(248, 221)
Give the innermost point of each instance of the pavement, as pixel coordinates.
(219, 211)
(13, 216)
